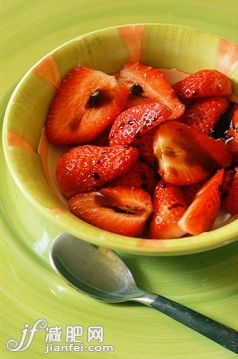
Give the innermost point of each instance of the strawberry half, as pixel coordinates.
(205, 113)
(144, 144)
(186, 156)
(136, 121)
(121, 210)
(85, 168)
(232, 135)
(138, 100)
(102, 139)
(191, 191)
(169, 206)
(86, 103)
(146, 82)
(203, 211)
(230, 191)
(203, 83)
(139, 176)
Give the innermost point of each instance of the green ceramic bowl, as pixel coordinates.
(164, 46)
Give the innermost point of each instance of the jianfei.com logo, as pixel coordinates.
(71, 338)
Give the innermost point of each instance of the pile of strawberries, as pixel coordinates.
(146, 159)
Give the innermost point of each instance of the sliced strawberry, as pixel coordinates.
(136, 121)
(230, 191)
(139, 176)
(85, 168)
(203, 83)
(150, 83)
(191, 191)
(86, 103)
(186, 156)
(203, 211)
(144, 144)
(205, 113)
(232, 135)
(169, 206)
(121, 210)
(138, 100)
(102, 139)
(223, 125)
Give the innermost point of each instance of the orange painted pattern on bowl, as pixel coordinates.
(43, 153)
(151, 243)
(132, 37)
(19, 141)
(227, 57)
(47, 70)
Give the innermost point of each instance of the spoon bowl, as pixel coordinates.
(97, 271)
(101, 274)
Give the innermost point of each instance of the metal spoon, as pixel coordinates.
(101, 273)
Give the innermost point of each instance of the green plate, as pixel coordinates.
(30, 290)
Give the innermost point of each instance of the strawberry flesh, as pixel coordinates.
(204, 209)
(203, 83)
(86, 103)
(186, 156)
(147, 82)
(138, 100)
(85, 168)
(121, 210)
(169, 205)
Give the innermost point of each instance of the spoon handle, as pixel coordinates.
(219, 333)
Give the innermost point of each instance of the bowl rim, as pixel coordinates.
(169, 247)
